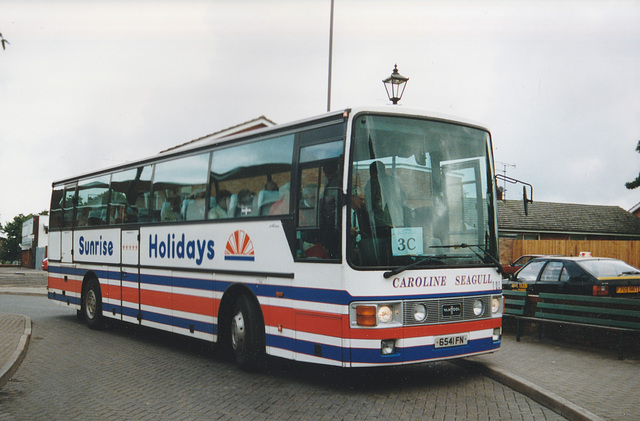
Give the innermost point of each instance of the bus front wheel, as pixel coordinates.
(245, 334)
(92, 305)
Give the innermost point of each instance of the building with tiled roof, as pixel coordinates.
(255, 124)
(566, 221)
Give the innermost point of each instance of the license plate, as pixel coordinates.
(447, 341)
(627, 290)
(520, 287)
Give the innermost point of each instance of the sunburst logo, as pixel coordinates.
(239, 247)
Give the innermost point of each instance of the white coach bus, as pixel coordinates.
(364, 237)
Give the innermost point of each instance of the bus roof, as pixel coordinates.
(326, 118)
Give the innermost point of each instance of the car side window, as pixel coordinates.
(564, 276)
(574, 272)
(551, 272)
(530, 272)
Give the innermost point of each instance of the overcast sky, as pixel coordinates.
(88, 84)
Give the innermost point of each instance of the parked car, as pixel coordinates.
(577, 275)
(514, 266)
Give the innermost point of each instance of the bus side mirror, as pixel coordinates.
(525, 199)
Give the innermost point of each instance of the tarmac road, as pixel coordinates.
(133, 373)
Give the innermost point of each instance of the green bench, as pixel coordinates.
(617, 314)
(514, 306)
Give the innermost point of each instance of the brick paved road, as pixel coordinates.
(72, 372)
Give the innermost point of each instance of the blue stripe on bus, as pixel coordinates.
(239, 257)
(374, 356)
(179, 322)
(130, 311)
(421, 353)
(330, 352)
(63, 298)
(180, 282)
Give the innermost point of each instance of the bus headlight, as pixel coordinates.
(385, 314)
(478, 308)
(388, 314)
(495, 305)
(420, 313)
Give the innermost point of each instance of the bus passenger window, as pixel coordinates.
(69, 202)
(130, 197)
(257, 175)
(92, 201)
(57, 202)
(180, 189)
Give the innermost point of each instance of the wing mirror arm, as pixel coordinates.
(527, 196)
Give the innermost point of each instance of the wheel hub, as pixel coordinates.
(91, 304)
(237, 332)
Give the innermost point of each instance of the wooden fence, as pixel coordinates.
(629, 251)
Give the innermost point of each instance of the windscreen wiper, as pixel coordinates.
(432, 260)
(487, 255)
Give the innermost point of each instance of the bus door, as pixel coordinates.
(130, 276)
(318, 211)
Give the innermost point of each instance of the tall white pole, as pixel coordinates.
(330, 58)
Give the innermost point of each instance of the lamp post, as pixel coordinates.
(395, 85)
(330, 58)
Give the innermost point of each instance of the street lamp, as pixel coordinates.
(395, 85)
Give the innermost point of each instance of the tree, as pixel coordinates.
(11, 246)
(635, 183)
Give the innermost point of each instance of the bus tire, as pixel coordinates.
(92, 305)
(245, 334)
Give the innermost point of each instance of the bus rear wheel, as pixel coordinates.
(92, 305)
(245, 335)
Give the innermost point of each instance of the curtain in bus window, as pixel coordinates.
(130, 196)
(252, 179)
(180, 189)
(92, 201)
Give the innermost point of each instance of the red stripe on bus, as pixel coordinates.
(130, 294)
(177, 302)
(192, 304)
(70, 285)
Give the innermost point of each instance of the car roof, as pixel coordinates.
(576, 258)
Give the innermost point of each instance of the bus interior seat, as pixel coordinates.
(144, 215)
(194, 210)
(265, 199)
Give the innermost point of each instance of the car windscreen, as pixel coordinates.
(529, 273)
(608, 268)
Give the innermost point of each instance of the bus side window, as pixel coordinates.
(130, 196)
(257, 177)
(92, 201)
(318, 209)
(57, 201)
(180, 189)
(68, 210)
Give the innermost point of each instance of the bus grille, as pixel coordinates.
(447, 310)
